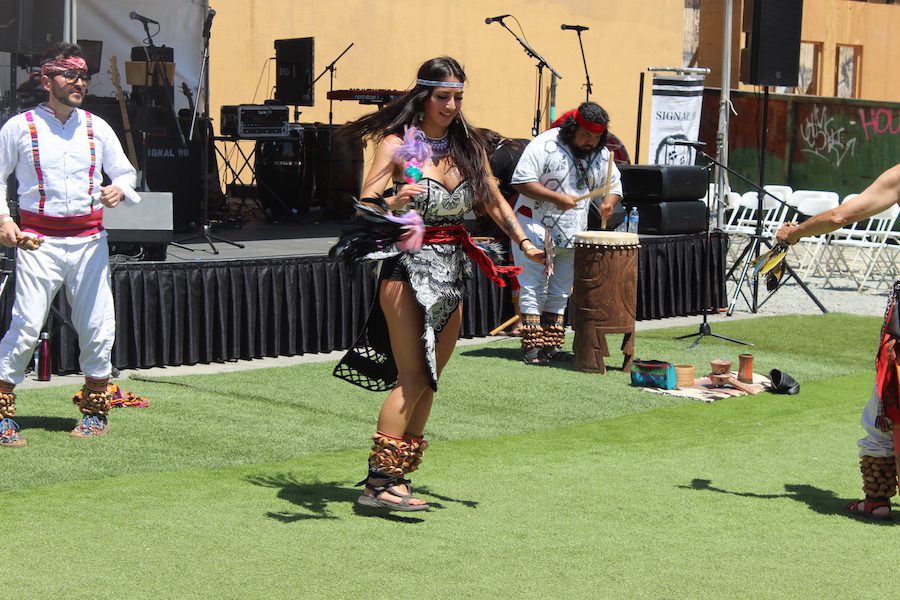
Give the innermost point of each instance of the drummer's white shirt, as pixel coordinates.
(551, 163)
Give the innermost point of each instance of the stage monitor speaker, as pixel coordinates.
(150, 220)
(771, 55)
(294, 71)
(664, 182)
(171, 167)
(281, 178)
(31, 26)
(669, 218)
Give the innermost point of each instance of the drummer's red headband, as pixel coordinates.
(61, 65)
(589, 125)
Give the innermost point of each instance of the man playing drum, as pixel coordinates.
(557, 167)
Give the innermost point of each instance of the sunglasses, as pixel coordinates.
(73, 76)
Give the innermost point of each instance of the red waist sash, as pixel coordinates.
(457, 234)
(77, 226)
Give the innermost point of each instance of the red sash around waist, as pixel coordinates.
(457, 234)
(77, 226)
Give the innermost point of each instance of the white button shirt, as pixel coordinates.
(65, 158)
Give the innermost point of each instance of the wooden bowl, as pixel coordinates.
(720, 366)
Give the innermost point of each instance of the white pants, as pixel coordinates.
(540, 293)
(83, 266)
(875, 442)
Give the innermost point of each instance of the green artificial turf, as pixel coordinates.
(545, 482)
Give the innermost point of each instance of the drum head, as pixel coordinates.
(606, 238)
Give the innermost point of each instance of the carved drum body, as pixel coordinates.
(604, 295)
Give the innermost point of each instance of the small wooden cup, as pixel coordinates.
(684, 375)
(720, 366)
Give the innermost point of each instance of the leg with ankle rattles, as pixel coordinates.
(94, 401)
(417, 445)
(879, 475)
(554, 334)
(10, 435)
(391, 458)
(532, 340)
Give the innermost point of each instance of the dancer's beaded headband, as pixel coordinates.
(430, 83)
(61, 65)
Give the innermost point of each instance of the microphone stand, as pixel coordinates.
(205, 231)
(587, 76)
(752, 249)
(535, 129)
(330, 70)
(705, 328)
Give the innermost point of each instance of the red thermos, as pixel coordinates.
(43, 358)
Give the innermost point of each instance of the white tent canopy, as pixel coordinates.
(180, 27)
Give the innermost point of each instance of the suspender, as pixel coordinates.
(36, 157)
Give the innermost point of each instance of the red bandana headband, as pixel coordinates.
(60, 65)
(589, 125)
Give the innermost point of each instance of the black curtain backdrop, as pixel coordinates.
(171, 314)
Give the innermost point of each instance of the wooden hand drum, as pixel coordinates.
(604, 296)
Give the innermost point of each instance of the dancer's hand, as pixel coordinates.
(788, 233)
(533, 253)
(9, 232)
(405, 195)
(111, 195)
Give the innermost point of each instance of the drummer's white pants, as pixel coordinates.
(83, 266)
(540, 293)
(875, 442)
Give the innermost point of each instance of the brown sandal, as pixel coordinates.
(388, 487)
(866, 508)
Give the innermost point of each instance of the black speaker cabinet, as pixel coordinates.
(31, 26)
(294, 71)
(664, 182)
(171, 167)
(771, 55)
(669, 218)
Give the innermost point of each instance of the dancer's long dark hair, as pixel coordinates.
(466, 141)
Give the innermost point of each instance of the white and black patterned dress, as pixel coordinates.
(437, 275)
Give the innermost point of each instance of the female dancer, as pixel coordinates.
(415, 322)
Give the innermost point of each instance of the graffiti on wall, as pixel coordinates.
(879, 121)
(823, 136)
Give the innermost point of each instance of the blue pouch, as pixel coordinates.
(653, 373)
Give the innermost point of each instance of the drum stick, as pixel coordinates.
(500, 328)
(606, 187)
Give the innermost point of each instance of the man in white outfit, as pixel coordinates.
(557, 167)
(57, 152)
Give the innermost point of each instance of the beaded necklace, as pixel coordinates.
(440, 147)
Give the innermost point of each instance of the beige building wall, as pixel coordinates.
(874, 27)
(392, 38)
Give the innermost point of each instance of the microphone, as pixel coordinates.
(208, 24)
(142, 19)
(574, 27)
(490, 20)
(677, 142)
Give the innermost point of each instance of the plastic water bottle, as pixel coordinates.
(633, 219)
(623, 226)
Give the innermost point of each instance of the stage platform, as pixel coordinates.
(280, 295)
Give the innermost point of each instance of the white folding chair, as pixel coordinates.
(858, 252)
(806, 204)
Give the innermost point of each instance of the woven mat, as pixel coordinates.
(705, 391)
